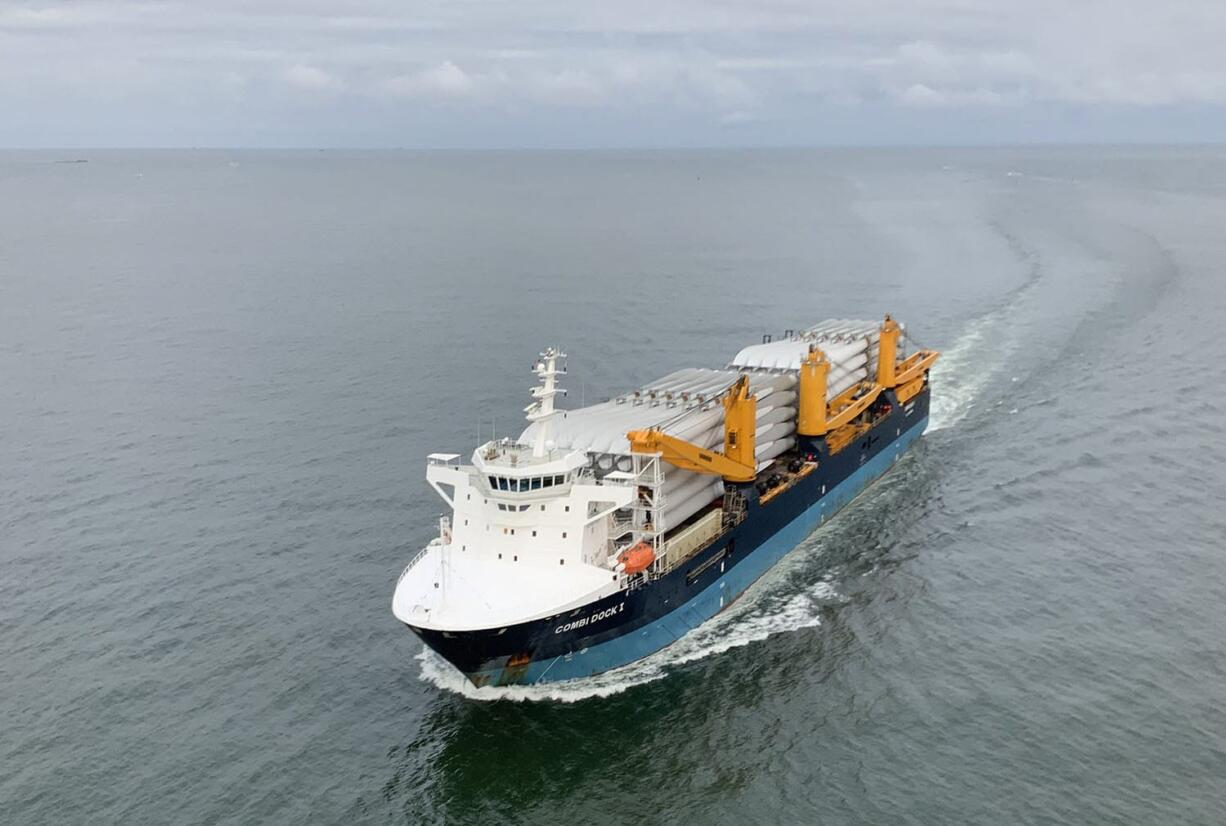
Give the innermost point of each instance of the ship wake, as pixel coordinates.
(967, 369)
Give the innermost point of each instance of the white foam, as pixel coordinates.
(960, 374)
(762, 612)
(965, 370)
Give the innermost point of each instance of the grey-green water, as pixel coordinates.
(221, 372)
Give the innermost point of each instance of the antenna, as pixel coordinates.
(542, 409)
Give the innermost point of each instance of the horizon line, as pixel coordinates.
(697, 147)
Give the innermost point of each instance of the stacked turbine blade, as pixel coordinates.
(852, 356)
(686, 492)
(686, 404)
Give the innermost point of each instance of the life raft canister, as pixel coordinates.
(637, 557)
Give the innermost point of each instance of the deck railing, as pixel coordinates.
(417, 557)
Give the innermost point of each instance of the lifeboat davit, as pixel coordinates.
(636, 558)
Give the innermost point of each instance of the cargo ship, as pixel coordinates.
(604, 533)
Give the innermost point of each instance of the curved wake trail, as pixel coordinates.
(965, 370)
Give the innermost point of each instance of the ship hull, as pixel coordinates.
(631, 625)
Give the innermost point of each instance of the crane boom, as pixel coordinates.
(736, 463)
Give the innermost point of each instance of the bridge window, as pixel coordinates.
(536, 483)
(547, 482)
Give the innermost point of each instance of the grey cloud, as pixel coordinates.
(115, 71)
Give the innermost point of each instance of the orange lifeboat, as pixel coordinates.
(637, 557)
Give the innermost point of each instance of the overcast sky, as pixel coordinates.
(516, 73)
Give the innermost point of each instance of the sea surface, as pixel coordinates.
(220, 373)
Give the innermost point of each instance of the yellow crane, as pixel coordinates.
(736, 463)
(815, 416)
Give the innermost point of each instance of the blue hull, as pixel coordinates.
(632, 625)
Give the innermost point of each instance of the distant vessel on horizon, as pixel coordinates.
(605, 533)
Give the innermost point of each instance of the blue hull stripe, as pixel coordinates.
(709, 602)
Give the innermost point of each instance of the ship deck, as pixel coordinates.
(448, 591)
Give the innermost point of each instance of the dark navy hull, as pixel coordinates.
(633, 624)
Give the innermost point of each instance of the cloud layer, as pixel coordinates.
(555, 72)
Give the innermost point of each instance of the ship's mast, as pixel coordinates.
(542, 409)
